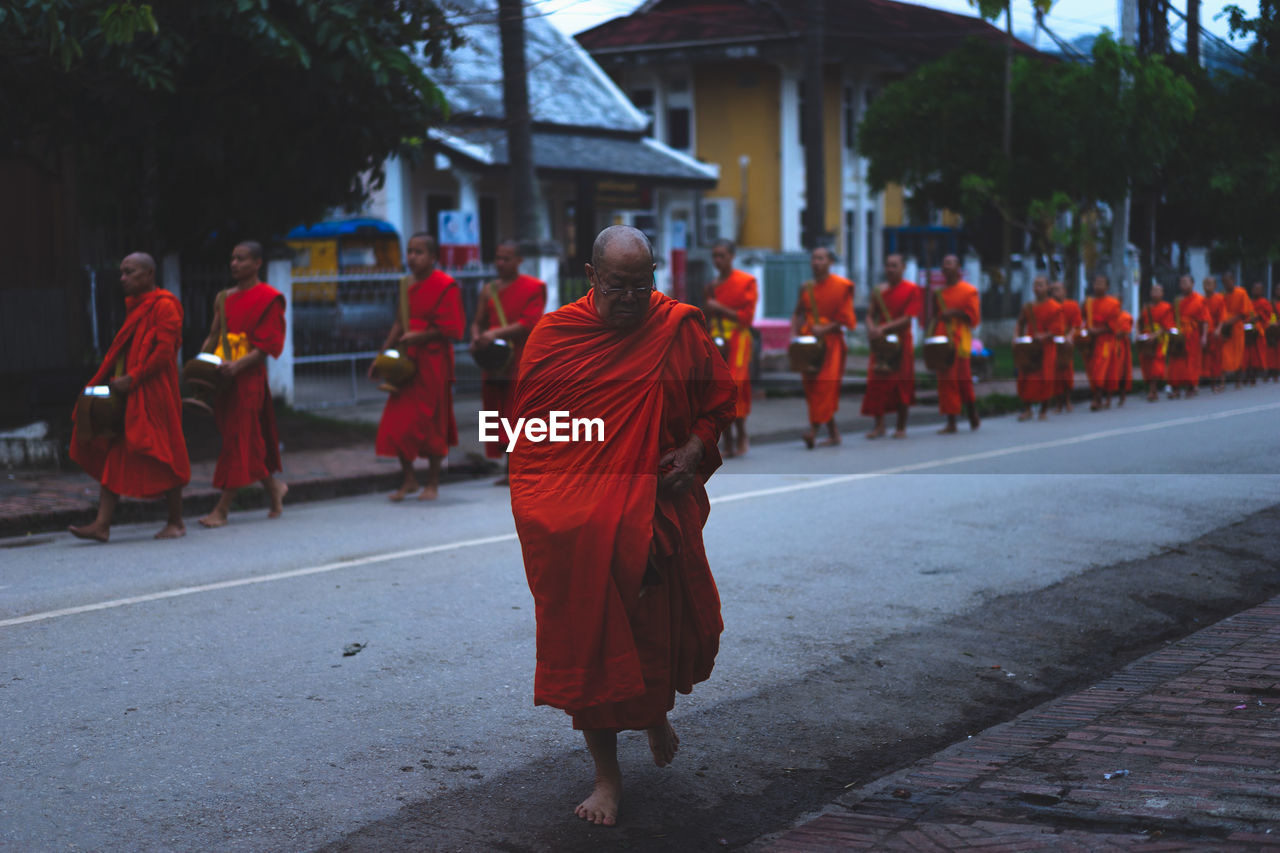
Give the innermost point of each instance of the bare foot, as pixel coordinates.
(807, 438)
(90, 531)
(829, 442)
(1044, 416)
(601, 808)
(899, 433)
(1070, 408)
(663, 743)
(429, 493)
(172, 531)
(974, 423)
(875, 433)
(947, 430)
(1025, 416)
(404, 490)
(743, 446)
(214, 519)
(275, 498)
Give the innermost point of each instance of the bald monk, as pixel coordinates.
(958, 315)
(1041, 321)
(1192, 317)
(611, 525)
(1072, 321)
(1120, 375)
(1155, 321)
(1255, 357)
(246, 419)
(824, 310)
(894, 304)
(418, 419)
(1239, 311)
(1212, 361)
(508, 308)
(150, 458)
(731, 308)
(1101, 310)
(1269, 318)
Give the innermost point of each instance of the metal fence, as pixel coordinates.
(339, 324)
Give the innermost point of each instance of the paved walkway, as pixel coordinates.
(1178, 751)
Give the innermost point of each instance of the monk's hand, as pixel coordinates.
(231, 368)
(678, 468)
(121, 384)
(413, 338)
(485, 339)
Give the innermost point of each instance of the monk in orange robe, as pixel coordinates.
(1273, 350)
(959, 313)
(731, 308)
(150, 458)
(1239, 311)
(1256, 355)
(1100, 313)
(246, 419)
(1041, 321)
(610, 524)
(1120, 375)
(1192, 317)
(418, 418)
(1154, 323)
(1212, 361)
(508, 308)
(1073, 321)
(824, 310)
(890, 387)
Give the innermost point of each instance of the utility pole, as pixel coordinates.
(1006, 229)
(1193, 31)
(515, 104)
(1120, 209)
(815, 197)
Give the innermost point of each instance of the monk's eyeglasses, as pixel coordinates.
(637, 292)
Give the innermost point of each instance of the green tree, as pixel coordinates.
(188, 118)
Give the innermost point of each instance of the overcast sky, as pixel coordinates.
(1067, 18)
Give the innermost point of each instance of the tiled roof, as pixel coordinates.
(850, 26)
(566, 87)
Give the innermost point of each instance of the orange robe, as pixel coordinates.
(1155, 320)
(1239, 310)
(1120, 373)
(1101, 311)
(151, 457)
(1041, 318)
(418, 419)
(955, 384)
(627, 609)
(523, 301)
(1066, 367)
(740, 293)
(1193, 319)
(1255, 357)
(890, 391)
(1273, 351)
(1211, 361)
(834, 296)
(245, 416)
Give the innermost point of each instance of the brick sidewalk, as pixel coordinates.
(1195, 725)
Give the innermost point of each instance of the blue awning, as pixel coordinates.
(342, 228)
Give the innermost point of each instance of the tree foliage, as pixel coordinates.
(231, 117)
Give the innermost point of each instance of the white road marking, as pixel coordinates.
(739, 496)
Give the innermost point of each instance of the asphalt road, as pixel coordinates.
(194, 695)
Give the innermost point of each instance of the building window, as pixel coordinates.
(678, 128)
(643, 100)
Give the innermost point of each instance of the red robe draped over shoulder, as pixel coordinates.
(1193, 316)
(834, 299)
(245, 416)
(1101, 311)
(1120, 371)
(627, 609)
(1073, 320)
(739, 293)
(1154, 321)
(1213, 359)
(418, 419)
(1042, 318)
(151, 457)
(1239, 308)
(955, 384)
(523, 301)
(889, 391)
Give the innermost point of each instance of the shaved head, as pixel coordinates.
(623, 237)
(143, 260)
